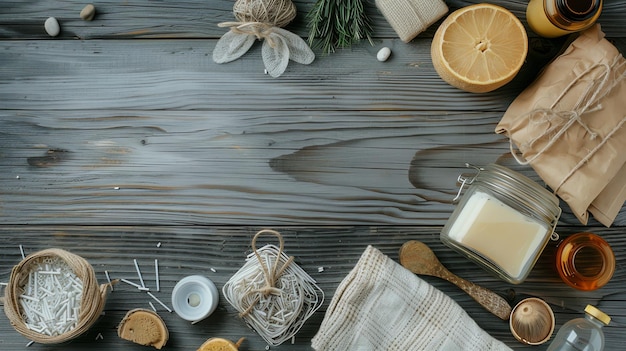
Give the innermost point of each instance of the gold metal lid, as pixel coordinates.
(599, 315)
(532, 321)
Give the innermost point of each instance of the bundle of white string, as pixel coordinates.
(272, 293)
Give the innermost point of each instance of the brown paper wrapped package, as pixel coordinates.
(568, 125)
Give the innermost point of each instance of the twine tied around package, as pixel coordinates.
(604, 78)
(91, 304)
(272, 293)
(263, 20)
(270, 274)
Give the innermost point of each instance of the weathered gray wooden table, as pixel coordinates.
(122, 133)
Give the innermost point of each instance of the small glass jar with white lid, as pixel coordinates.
(502, 222)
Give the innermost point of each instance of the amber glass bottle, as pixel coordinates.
(585, 261)
(555, 18)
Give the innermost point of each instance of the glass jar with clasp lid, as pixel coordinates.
(502, 222)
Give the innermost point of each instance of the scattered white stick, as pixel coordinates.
(106, 273)
(160, 302)
(143, 285)
(131, 283)
(156, 273)
(320, 269)
(159, 244)
(30, 343)
(22, 251)
(213, 270)
(152, 305)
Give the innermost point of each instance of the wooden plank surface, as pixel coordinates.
(122, 133)
(187, 250)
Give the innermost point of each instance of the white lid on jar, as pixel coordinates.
(194, 298)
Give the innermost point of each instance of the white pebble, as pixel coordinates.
(52, 27)
(383, 54)
(88, 12)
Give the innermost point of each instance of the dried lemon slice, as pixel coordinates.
(219, 344)
(479, 48)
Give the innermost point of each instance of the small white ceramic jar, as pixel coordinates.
(194, 298)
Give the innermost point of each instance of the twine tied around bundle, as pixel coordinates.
(604, 77)
(91, 304)
(272, 294)
(258, 17)
(263, 20)
(270, 274)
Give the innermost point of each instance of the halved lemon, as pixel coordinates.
(479, 48)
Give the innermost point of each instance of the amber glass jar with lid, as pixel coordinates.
(555, 18)
(585, 261)
(502, 222)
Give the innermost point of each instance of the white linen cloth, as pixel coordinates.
(381, 305)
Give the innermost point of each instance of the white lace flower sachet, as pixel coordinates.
(272, 293)
(263, 20)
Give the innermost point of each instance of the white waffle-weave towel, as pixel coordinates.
(381, 305)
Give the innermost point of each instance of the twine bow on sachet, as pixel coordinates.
(272, 293)
(603, 78)
(262, 20)
(271, 274)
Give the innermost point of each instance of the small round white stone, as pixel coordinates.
(383, 54)
(52, 27)
(88, 12)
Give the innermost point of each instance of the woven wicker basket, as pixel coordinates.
(91, 303)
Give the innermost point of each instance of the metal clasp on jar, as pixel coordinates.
(466, 179)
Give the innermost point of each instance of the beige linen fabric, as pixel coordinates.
(411, 17)
(569, 125)
(381, 306)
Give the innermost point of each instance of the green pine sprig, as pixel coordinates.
(337, 24)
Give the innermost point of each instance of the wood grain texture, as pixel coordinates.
(149, 19)
(188, 250)
(237, 168)
(122, 133)
(180, 74)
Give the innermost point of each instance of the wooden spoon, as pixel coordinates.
(420, 259)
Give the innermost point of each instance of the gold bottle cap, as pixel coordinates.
(599, 315)
(532, 321)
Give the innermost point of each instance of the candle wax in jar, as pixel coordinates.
(498, 232)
